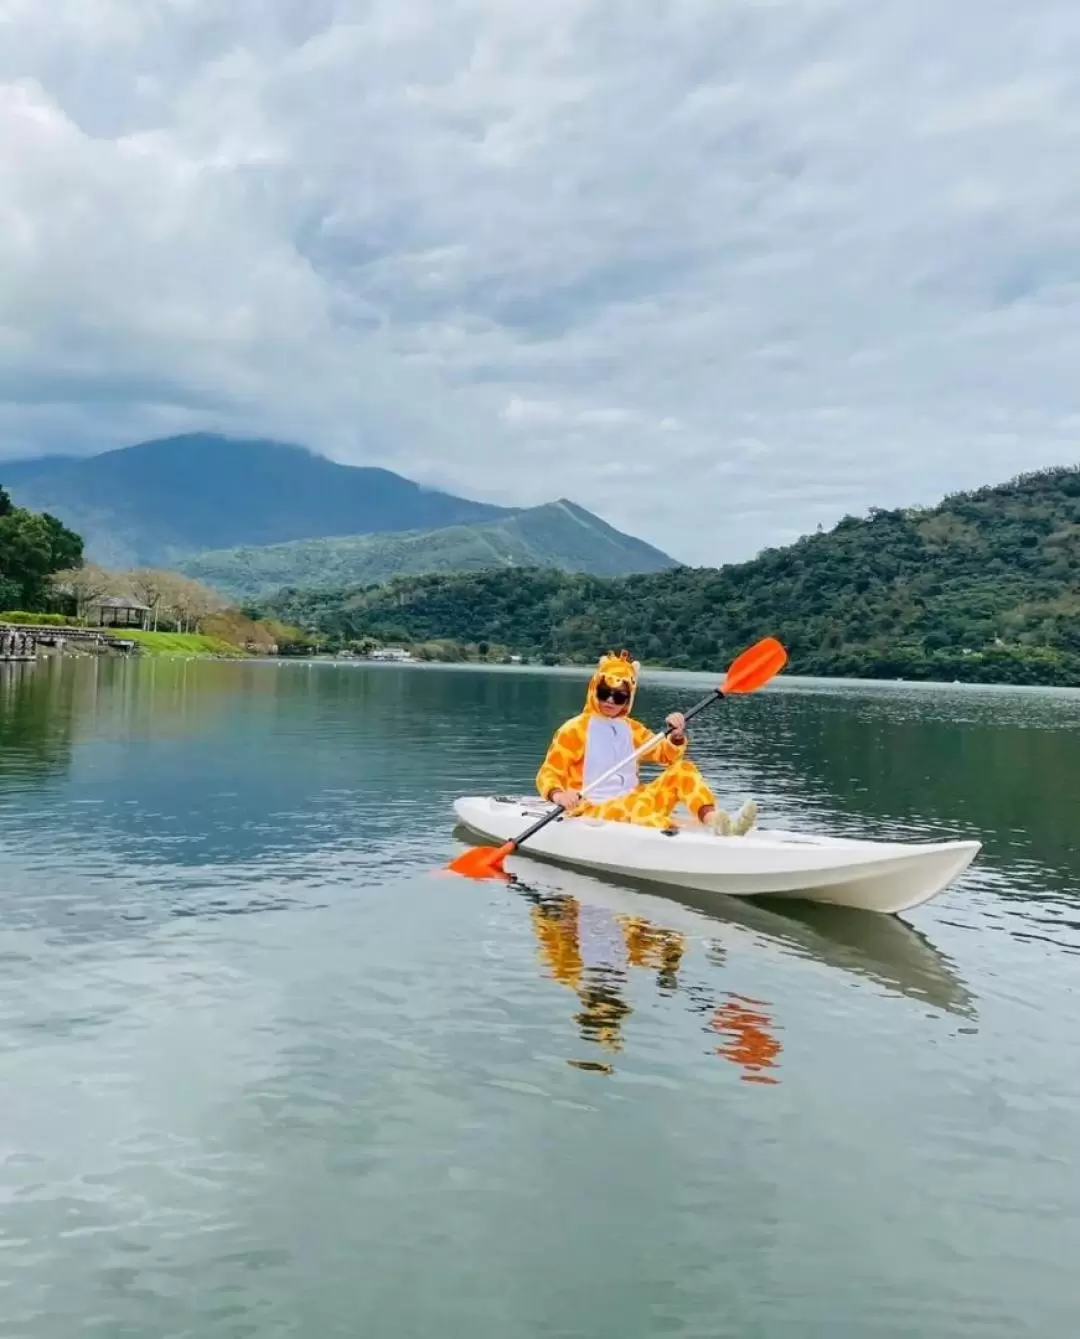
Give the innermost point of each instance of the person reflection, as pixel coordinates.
(591, 951)
(649, 945)
(582, 954)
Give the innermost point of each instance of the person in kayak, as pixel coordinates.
(605, 733)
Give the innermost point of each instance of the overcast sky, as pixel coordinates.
(719, 270)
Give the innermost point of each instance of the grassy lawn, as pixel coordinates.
(179, 643)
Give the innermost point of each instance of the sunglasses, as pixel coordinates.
(606, 693)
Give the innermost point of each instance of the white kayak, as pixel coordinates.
(887, 877)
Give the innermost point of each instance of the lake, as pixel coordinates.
(268, 1071)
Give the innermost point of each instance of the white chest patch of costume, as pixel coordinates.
(608, 743)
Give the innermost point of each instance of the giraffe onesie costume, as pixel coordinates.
(587, 745)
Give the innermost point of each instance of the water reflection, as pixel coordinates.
(593, 951)
(595, 970)
(594, 938)
(35, 723)
(882, 950)
(749, 1044)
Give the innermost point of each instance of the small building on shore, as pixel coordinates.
(117, 611)
(394, 653)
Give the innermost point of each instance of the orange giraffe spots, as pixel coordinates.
(651, 804)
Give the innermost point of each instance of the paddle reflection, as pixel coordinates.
(750, 1044)
(593, 951)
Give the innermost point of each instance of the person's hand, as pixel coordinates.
(676, 723)
(566, 799)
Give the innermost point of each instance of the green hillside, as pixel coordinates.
(984, 587)
(557, 535)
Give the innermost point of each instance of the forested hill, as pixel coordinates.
(985, 586)
(558, 534)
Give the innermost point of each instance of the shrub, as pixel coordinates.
(42, 620)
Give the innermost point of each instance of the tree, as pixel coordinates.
(32, 547)
(185, 602)
(66, 545)
(88, 583)
(149, 586)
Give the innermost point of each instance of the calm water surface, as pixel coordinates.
(265, 1071)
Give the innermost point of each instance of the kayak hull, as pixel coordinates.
(886, 877)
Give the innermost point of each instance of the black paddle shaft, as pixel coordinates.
(558, 811)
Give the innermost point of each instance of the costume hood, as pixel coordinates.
(613, 669)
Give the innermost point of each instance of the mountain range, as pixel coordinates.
(163, 502)
(984, 587)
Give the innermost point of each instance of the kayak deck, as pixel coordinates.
(887, 877)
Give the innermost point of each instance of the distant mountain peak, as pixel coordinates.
(160, 502)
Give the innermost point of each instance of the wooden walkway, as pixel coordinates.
(21, 641)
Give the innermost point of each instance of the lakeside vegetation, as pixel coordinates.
(185, 616)
(33, 545)
(982, 588)
(45, 581)
(182, 644)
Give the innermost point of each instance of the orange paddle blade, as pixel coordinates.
(482, 862)
(755, 667)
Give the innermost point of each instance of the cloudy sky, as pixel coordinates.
(720, 270)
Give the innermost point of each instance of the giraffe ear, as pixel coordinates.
(636, 668)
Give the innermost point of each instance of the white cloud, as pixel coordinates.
(528, 412)
(787, 260)
(609, 418)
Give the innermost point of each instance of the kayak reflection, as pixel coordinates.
(883, 950)
(880, 949)
(592, 951)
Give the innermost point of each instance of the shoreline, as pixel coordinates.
(787, 682)
(72, 642)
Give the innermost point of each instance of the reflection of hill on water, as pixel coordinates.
(155, 698)
(46, 707)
